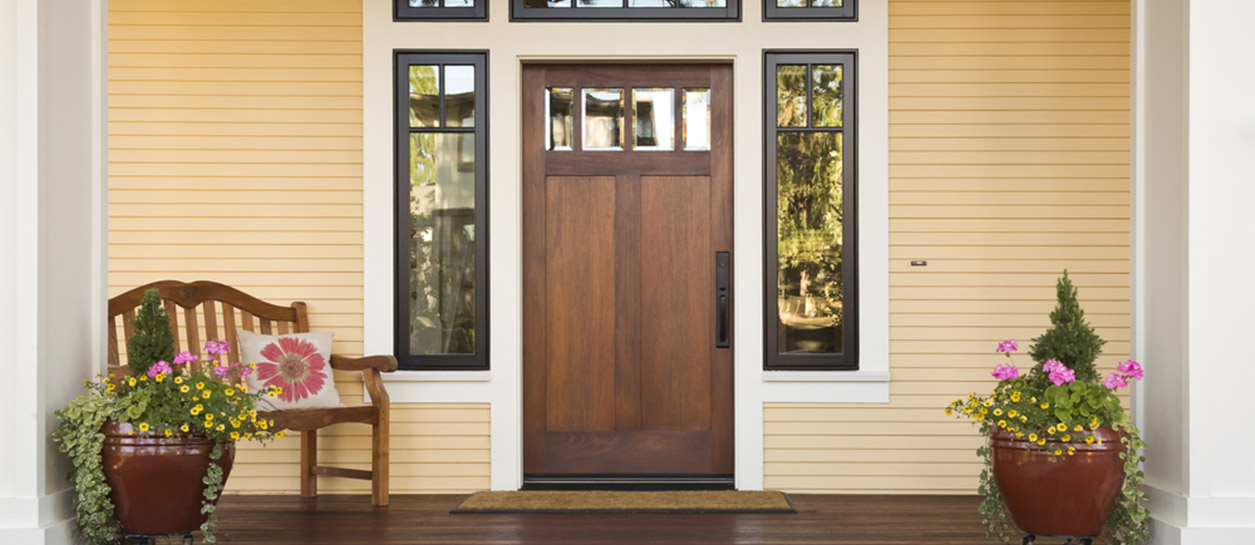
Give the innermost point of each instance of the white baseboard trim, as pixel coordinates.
(1181, 520)
(60, 533)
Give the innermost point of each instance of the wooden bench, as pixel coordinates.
(228, 308)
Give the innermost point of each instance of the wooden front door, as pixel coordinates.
(627, 231)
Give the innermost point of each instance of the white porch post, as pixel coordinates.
(52, 247)
(1194, 209)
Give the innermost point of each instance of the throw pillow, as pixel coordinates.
(299, 363)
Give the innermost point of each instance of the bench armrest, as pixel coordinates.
(385, 364)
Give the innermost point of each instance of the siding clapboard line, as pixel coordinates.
(235, 155)
(1009, 161)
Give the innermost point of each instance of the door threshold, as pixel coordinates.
(628, 482)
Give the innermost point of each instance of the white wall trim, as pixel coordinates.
(509, 44)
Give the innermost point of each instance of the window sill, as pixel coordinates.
(437, 376)
(863, 386)
(438, 387)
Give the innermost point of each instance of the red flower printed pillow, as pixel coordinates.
(299, 364)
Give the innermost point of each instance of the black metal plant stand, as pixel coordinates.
(1071, 540)
(141, 539)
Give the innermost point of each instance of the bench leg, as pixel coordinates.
(379, 462)
(309, 460)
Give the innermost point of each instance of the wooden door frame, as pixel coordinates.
(721, 74)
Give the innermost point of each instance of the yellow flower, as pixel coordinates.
(130, 381)
(1041, 442)
(1077, 428)
(235, 423)
(1071, 451)
(1032, 399)
(988, 403)
(984, 411)
(1051, 430)
(200, 385)
(1023, 418)
(143, 378)
(949, 411)
(209, 424)
(184, 428)
(195, 411)
(220, 427)
(1058, 452)
(1032, 437)
(160, 377)
(205, 394)
(235, 435)
(272, 393)
(248, 436)
(230, 392)
(1002, 423)
(178, 380)
(1066, 438)
(1015, 398)
(279, 435)
(1093, 424)
(1019, 434)
(997, 412)
(244, 388)
(169, 433)
(271, 423)
(209, 416)
(143, 426)
(1090, 439)
(199, 407)
(1011, 413)
(111, 387)
(1062, 427)
(1045, 405)
(184, 388)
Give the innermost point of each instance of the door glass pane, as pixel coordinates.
(546, 3)
(603, 119)
(696, 119)
(598, 3)
(442, 243)
(826, 99)
(459, 96)
(424, 3)
(459, 3)
(809, 242)
(791, 95)
(559, 102)
(790, 3)
(826, 3)
(703, 3)
(654, 115)
(424, 96)
(650, 3)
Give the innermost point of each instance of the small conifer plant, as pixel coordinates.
(1071, 341)
(152, 340)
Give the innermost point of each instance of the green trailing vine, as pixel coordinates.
(78, 436)
(213, 488)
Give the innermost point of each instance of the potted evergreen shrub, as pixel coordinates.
(152, 449)
(1062, 456)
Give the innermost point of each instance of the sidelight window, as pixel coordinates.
(811, 270)
(441, 197)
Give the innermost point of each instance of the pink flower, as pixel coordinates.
(158, 368)
(1005, 372)
(294, 365)
(1008, 346)
(222, 370)
(1131, 369)
(217, 347)
(184, 357)
(1061, 375)
(1115, 380)
(1052, 365)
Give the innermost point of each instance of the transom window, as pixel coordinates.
(418, 10)
(625, 10)
(810, 10)
(441, 202)
(661, 119)
(811, 259)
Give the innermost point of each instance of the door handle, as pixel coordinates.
(723, 301)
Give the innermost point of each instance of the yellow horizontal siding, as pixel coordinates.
(235, 155)
(1009, 161)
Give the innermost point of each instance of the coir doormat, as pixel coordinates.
(682, 502)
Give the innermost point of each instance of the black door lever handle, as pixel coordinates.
(723, 296)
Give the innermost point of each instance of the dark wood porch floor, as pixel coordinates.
(821, 519)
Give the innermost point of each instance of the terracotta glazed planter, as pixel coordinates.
(1059, 495)
(157, 481)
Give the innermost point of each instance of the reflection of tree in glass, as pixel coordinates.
(791, 96)
(826, 95)
(423, 3)
(810, 232)
(424, 96)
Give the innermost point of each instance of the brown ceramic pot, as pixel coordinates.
(1059, 495)
(157, 481)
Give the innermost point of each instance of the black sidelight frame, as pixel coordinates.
(402, 60)
(848, 12)
(772, 358)
(401, 11)
(729, 13)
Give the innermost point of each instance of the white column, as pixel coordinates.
(52, 247)
(1194, 209)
